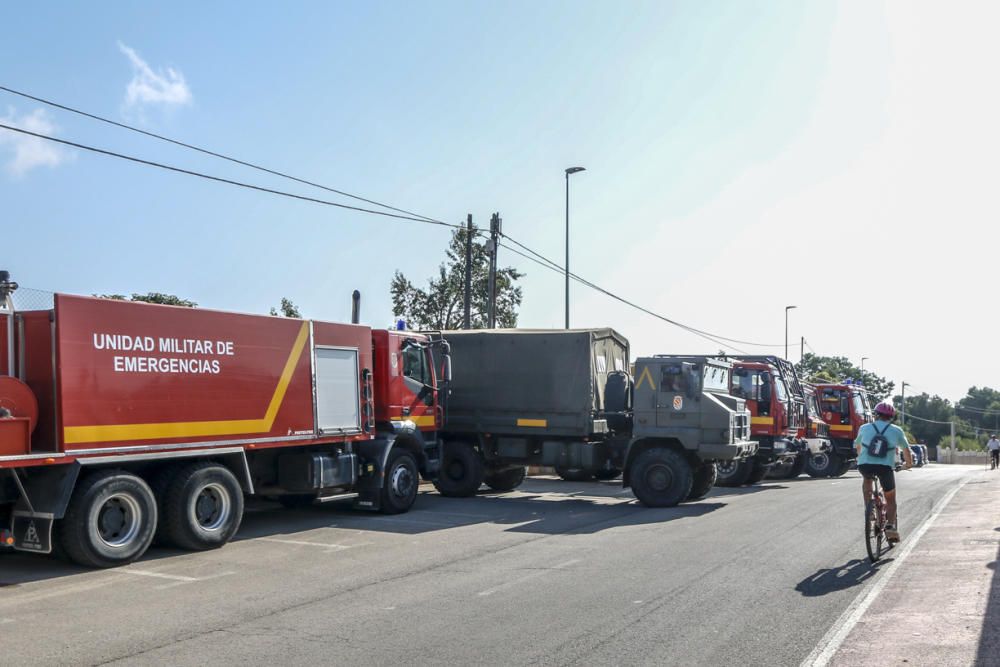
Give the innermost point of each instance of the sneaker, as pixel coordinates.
(891, 533)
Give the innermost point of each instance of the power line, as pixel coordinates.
(228, 181)
(548, 264)
(206, 151)
(409, 216)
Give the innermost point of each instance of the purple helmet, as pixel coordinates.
(885, 409)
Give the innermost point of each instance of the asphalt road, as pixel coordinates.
(556, 573)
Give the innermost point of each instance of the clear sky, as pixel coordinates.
(741, 157)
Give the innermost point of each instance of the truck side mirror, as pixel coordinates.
(447, 368)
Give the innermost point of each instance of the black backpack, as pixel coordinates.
(879, 445)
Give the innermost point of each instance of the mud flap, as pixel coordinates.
(32, 533)
(372, 455)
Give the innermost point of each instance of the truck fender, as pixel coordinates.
(374, 455)
(45, 491)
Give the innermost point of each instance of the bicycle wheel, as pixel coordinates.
(872, 541)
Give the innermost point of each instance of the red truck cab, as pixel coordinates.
(845, 409)
(773, 396)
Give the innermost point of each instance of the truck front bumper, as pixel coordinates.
(817, 445)
(727, 452)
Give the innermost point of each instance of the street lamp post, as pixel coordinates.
(863, 360)
(787, 308)
(570, 170)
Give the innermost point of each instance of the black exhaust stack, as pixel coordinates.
(356, 307)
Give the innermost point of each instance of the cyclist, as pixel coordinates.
(882, 435)
(994, 448)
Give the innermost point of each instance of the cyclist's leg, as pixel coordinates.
(866, 482)
(888, 479)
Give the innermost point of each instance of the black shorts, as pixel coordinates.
(886, 475)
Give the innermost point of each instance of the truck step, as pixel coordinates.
(337, 496)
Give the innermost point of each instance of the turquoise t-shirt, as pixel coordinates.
(892, 433)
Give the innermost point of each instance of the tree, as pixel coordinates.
(440, 305)
(815, 368)
(152, 297)
(932, 408)
(288, 309)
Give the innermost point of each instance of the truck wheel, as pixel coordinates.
(733, 473)
(606, 474)
(661, 477)
(757, 471)
(461, 471)
(823, 464)
(202, 508)
(844, 466)
(110, 520)
(505, 480)
(574, 474)
(704, 480)
(402, 480)
(799, 465)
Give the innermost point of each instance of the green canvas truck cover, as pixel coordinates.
(531, 381)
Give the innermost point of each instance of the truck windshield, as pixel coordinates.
(415, 364)
(813, 406)
(835, 407)
(859, 405)
(716, 378)
(753, 385)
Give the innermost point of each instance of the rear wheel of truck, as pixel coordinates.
(402, 480)
(461, 471)
(607, 474)
(733, 473)
(661, 477)
(505, 480)
(757, 471)
(704, 480)
(110, 520)
(823, 464)
(574, 474)
(202, 507)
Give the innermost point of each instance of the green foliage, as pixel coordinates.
(288, 309)
(981, 408)
(152, 297)
(963, 444)
(815, 368)
(924, 406)
(440, 305)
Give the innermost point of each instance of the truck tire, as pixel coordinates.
(824, 464)
(845, 465)
(780, 470)
(704, 480)
(505, 480)
(733, 473)
(202, 507)
(110, 520)
(607, 474)
(402, 481)
(660, 477)
(574, 474)
(757, 471)
(799, 465)
(461, 472)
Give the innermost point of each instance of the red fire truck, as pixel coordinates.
(844, 407)
(122, 421)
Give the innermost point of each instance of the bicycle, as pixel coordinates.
(875, 523)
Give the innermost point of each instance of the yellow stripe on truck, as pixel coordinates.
(762, 421)
(419, 420)
(537, 423)
(840, 427)
(118, 432)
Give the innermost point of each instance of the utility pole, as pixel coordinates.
(902, 418)
(495, 224)
(467, 315)
(802, 349)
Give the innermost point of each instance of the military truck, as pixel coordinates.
(565, 398)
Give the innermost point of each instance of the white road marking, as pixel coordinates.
(332, 547)
(5, 621)
(836, 635)
(527, 577)
(171, 577)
